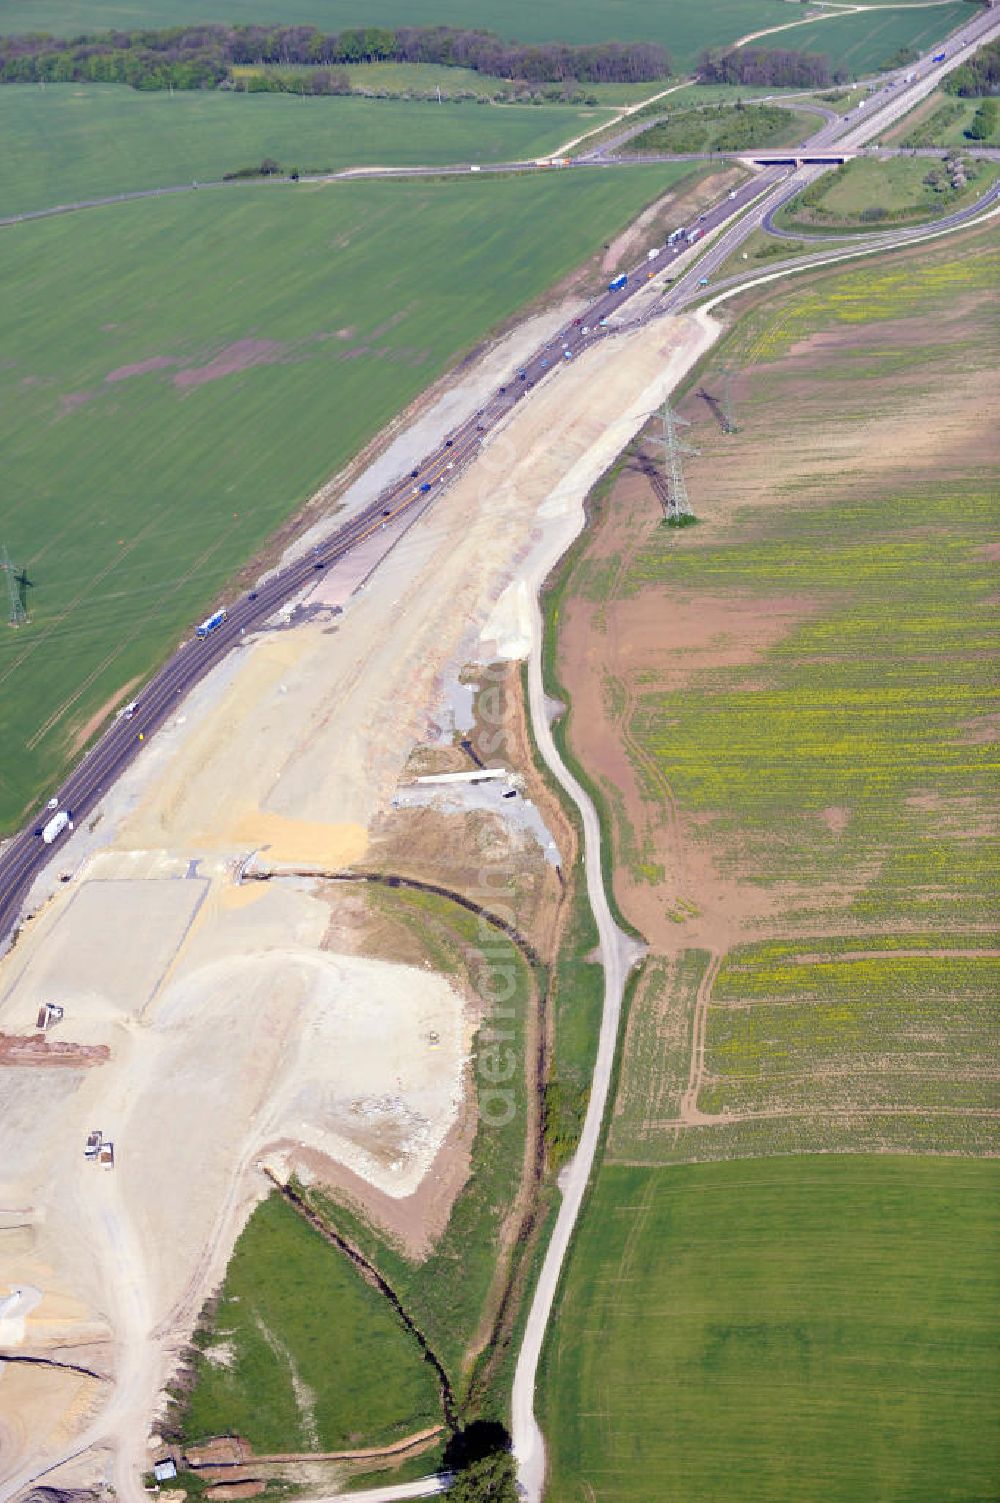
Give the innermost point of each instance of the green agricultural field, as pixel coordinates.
(857, 42)
(692, 95)
(828, 1045)
(809, 1328)
(900, 190)
(68, 142)
(685, 29)
(180, 374)
(657, 1048)
(863, 722)
(301, 1354)
(913, 1031)
(874, 699)
(862, 43)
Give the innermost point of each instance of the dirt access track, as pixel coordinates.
(237, 1033)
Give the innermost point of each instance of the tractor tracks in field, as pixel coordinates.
(690, 1116)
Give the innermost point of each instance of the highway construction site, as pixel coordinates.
(214, 1026)
(189, 1014)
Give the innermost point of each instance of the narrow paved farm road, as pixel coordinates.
(397, 1492)
(618, 952)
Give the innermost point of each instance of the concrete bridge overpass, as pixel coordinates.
(790, 157)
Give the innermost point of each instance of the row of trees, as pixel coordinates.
(199, 57)
(979, 76)
(777, 69)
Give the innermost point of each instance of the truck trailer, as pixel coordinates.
(212, 622)
(55, 826)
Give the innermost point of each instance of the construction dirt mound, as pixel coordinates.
(38, 1051)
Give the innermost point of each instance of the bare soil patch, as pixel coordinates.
(221, 1450)
(984, 728)
(486, 859)
(909, 403)
(836, 818)
(241, 355)
(74, 399)
(139, 368)
(416, 1221)
(667, 878)
(83, 733)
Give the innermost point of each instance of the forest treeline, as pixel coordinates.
(979, 76)
(202, 57)
(777, 68)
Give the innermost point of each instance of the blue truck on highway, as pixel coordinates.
(618, 283)
(211, 622)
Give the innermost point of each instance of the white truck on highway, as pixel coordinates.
(55, 826)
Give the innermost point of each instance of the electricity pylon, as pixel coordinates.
(18, 614)
(729, 423)
(676, 505)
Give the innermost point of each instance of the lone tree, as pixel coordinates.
(984, 121)
(483, 1467)
(491, 1480)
